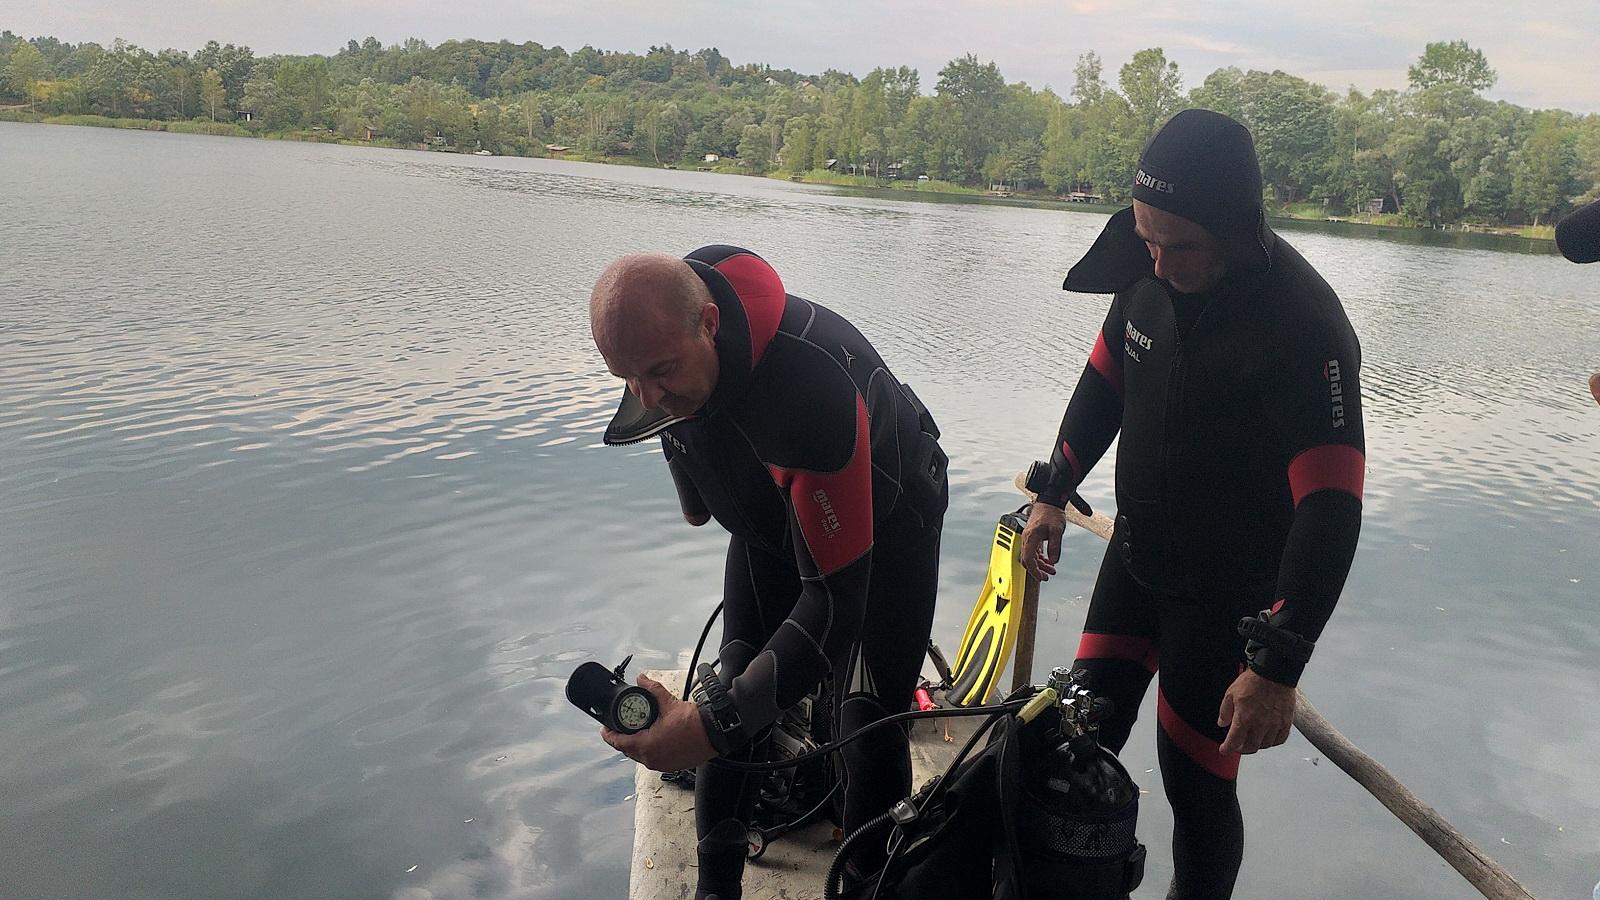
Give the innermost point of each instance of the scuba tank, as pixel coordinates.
(1042, 812)
(1079, 806)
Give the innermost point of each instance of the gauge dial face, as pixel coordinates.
(634, 710)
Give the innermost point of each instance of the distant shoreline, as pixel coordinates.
(944, 191)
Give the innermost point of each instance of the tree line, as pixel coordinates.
(1438, 152)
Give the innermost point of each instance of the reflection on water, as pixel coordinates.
(307, 519)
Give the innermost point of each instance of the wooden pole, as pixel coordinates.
(1022, 669)
(1482, 872)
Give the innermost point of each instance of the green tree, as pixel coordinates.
(1058, 165)
(797, 144)
(112, 80)
(305, 90)
(1153, 89)
(870, 121)
(1290, 118)
(1452, 62)
(975, 92)
(899, 88)
(489, 126)
(1019, 137)
(1360, 168)
(530, 115)
(179, 84)
(1088, 84)
(212, 93)
(264, 102)
(1428, 189)
(1481, 149)
(26, 70)
(1587, 149)
(1544, 172)
(1112, 147)
(755, 148)
(234, 64)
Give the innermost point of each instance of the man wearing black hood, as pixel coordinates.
(1230, 369)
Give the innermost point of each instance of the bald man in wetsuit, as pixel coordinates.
(780, 421)
(1230, 370)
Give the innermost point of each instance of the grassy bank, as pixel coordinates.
(176, 126)
(1314, 212)
(821, 176)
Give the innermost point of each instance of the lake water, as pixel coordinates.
(306, 519)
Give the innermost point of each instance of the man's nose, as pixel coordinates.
(648, 392)
(1162, 269)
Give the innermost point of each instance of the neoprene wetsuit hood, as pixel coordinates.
(737, 353)
(1202, 166)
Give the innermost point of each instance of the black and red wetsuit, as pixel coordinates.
(1238, 481)
(826, 472)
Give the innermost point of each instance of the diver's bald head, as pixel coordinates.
(649, 290)
(655, 323)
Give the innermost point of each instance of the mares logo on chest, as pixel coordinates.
(1134, 340)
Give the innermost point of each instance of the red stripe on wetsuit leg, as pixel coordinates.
(834, 509)
(761, 291)
(1204, 751)
(1072, 460)
(1107, 365)
(1141, 650)
(1329, 467)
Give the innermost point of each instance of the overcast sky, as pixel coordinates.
(1547, 52)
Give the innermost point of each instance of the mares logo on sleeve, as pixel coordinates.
(830, 521)
(1330, 374)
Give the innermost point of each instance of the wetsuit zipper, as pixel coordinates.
(1175, 383)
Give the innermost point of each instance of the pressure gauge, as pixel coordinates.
(607, 698)
(634, 710)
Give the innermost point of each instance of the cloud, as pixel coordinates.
(1211, 45)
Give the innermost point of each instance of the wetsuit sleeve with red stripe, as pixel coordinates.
(1093, 416)
(1319, 424)
(821, 458)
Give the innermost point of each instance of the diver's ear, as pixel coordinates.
(710, 319)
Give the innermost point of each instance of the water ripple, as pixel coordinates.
(307, 516)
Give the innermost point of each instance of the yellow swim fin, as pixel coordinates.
(992, 629)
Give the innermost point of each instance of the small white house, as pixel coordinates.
(711, 157)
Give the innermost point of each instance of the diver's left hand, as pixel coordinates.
(677, 740)
(1257, 713)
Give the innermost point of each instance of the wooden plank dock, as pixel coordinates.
(794, 865)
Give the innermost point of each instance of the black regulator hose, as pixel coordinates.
(688, 683)
(998, 709)
(833, 882)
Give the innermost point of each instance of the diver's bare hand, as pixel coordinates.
(1257, 713)
(677, 740)
(1041, 540)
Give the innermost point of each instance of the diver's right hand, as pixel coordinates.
(1041, 540)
